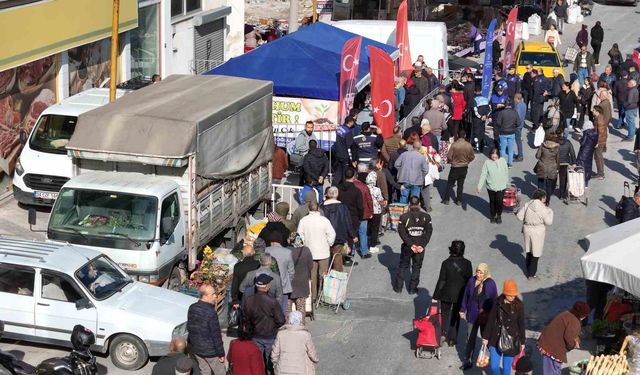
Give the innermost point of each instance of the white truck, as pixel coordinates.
(428, 39)
(165, 170)
(43, 166)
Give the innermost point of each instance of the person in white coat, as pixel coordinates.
(552, 36)
(535, 216)
(318, 235)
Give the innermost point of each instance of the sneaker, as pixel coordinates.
(598, 177)
(367, 256)
(374, 250)
(498, 220)
(412, 291)
(492, 220)
(627, 139)
(445, 203)
(458, 203)
(397, 290)
(519, 158)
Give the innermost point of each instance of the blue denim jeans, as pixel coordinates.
(519, 142)
(265, 346)
(582, 74)
(320, 189)
(506, 141)
(476, 47)
(363, 239)
(409, 191)
(567, 128)
(621, 112)
(494, 362)
(630, 116)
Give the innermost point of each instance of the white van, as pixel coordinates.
(43, 166)
(425, 38)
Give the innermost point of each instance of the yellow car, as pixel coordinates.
(539, 55)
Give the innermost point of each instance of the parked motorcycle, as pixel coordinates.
(79, 362)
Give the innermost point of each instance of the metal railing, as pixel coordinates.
(418, 110)
(285, 193)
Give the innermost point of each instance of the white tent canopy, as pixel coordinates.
(614, 256)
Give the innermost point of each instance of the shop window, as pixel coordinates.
(59, 288)
(145, 43)
(6, 4)
(182, 7)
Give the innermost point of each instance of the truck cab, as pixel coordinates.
(135, 219)
(43, 166)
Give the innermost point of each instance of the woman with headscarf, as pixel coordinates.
(506, 317)
(588, 144)
(293, 350)
(455, 271)
(479, 295)
(535, 217)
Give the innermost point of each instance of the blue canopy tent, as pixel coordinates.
(304, 64)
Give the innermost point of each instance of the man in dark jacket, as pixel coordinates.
(631, 110)
(316, 165)
(455, 271)
(582, 39)
(560, 9)
(556, 84)
(507, 121)
(167, 364)
(368, 144)
(415, 127)
(205, 338)
(432, 79)
(420, 81)
(514, 84)
(620, 92)
(352, 198)
(240, 271)
(631, 208)
(567, 158)
(264, 315)
(367, 213)
(345, 150)
(527, 85)
(597, 36)
(538, 97)
(340, 218)
(415, 231)
(583, 65)
(561, 336)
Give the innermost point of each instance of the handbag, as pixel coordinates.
(507, 344)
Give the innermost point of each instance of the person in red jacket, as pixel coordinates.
(244, 356)
(459, 104)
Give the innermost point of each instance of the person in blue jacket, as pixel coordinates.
(498, 101)
(345, 150)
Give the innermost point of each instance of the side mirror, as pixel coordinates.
(83, 303)
(32, 216)
(23, 138)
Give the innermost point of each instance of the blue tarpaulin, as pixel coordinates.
(304, 64)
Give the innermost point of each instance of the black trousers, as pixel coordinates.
(450, 319)
(536, 113)
(339, 167)
(456, 176)
(373, 229)
(596, 51)
(549, 186)
(495, 202)
(454, 128)
(532, 265)
(562, 175)
(408, 257)
(477, 132)
(471, 341)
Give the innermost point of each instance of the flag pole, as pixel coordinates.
(114, 50)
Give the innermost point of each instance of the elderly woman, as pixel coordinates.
(479, 295)
(293, 351)
(535, 216)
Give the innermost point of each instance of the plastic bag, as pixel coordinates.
(516, 359)
(234, 316)
(539, 137)
(483, 357)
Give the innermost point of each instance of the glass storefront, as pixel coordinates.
(144, 43)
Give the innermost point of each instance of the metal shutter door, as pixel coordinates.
(208, 46)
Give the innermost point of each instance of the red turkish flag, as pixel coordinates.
(510, 39)
(402, 39)
(382, 97)
(348, 75)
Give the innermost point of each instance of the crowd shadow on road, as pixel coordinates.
(389, 259)
(627, 155)
(527, 185)
(616, 166)
(510, 250)
(609, 218)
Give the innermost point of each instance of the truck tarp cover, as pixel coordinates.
(225, 121)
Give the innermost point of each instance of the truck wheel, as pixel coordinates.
(128, 352)
(175, 279)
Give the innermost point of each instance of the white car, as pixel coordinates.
(46, 288)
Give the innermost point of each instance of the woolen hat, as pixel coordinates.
(581, 308)
(510, 288)
(184, 365)
(524, 365)
(263, 279)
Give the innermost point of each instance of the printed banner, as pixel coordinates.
(324, 7)
(510, 39)
(382, 96)
(89, 65)
(487, 68)
(349, 75)
(402, 39)
(290, 114)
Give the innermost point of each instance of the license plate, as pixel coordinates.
(46, 195)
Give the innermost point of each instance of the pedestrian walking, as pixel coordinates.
(539, 93)
(608, 76)
(586, 96)
(293, 350)
(514, 83)
(247, 286)
(244, 356)
(412, 167)
(546, 169)
(568, 107)
(620, 94)
(368, 144)
(340, 218)
(524, 366)
(495, 174)
(435, 115)
(561, 336)
(240, 271)
(345, 150)
(205, 335)
(521, 109)
(303, 266)
(584, 64)
(459, 105)
(315, 165)
(367, 213)
(373, 226)
(434, 160)
(283, 258)
(455, 271)
(481, 113)
(588, 144)
(552, 36)
(264, 317)
(615, 58)
(560, 9)
(535, 216)
(279, 164)
(597, 37)
(527, 85)
(415, 231)
(505, 319)
(631, 110)
(479, 294)
(318, 235)
(582, 38)
(507, 125)
(602, 127)
(460, 155)
(567, 158)
(391, 144)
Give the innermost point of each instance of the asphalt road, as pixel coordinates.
(376, 335)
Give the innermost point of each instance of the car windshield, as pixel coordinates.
(102, 278)
(52, 133)
(128, 218)
(538, 59)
